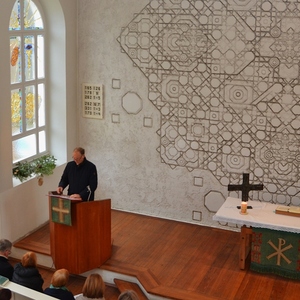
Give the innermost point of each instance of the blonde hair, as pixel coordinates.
(60, 278)
(29, 259)
(93, 286)
(128, 295)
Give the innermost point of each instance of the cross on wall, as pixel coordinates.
(245, 187)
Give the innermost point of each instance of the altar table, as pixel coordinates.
(262, 215)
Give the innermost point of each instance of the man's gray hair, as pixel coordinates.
(5, 245)
(80, 150)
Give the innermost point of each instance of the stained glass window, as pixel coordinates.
(31, 17)
(16, 111)
(15, 60)
(29, 57)
(27, 78)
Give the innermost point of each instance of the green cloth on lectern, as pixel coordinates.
(277, 252)
(61, 211)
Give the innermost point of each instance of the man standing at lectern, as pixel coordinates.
(81, 177)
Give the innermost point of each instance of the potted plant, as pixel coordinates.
(38, 167)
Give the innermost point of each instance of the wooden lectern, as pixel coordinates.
(86, 244)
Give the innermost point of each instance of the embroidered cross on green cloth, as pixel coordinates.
(275, 252)
(61, 211)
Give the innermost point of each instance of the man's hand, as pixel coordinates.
(59, 190)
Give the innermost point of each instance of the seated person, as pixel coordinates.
(27, 274)
(93, 288)
(58, 287)
(6, 269)
(5, 294)
(128, 295)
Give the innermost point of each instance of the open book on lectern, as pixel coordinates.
(62, 196)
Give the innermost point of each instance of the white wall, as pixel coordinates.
(137, 170)
(131, 171)
(24, 207)
(212, 95)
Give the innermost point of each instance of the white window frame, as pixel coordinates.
(35, 82)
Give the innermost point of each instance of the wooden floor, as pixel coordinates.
(179, 261)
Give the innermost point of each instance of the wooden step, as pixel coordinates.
(126, 285)
(37, 240)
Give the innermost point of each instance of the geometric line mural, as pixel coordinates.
(224, 76)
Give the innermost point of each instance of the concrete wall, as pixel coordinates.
(196, 93)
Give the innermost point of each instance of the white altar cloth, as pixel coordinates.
(261, 216)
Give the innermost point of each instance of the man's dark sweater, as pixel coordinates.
(6, 269)
(82, 179)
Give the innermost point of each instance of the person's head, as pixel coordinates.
(94, 286)
(78, 155)
(128, 295)
(29, 259)
(60, 278)
(5, 247)
(5, 294)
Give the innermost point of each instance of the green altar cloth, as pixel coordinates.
(275, 252)
(61, 211)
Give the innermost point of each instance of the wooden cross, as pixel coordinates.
(245, 187)
(61, 210)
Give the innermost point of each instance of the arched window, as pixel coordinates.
(27, 81)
